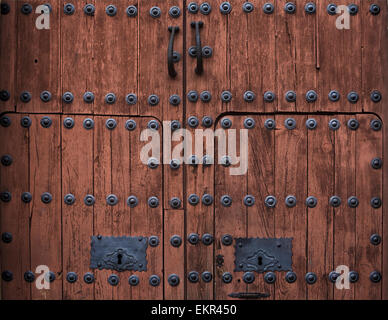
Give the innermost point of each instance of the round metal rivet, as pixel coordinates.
(290, 96)
(25, 96)
(311, 278)
(207, 52)
(334, 124)
(174, 164)
(249, 200)
(26, 8)
(226, 201)
(67, 97)
(130, 125)
(5, 196)
(376, 163)
(375, 277)
(375, 239)
(207, 121)
(205, 8)
(50, 276)
(311, 96)
(110, 98)
(153, 100)
(89, 200)
(89, 9)
(153, 202)
(249, 123)
(249, 277)
(333, 276)
(175, 125)
(375, 96)
(376, 125)
(68, 123)
(6, 160)
(207, 199)
(270, 124)
(7, 275)
(88, 123)
(226, 161)
(111, 10)
(227, 277)
(193, 276)
(352, 9)
(207, 160)
(249, 96)
(193, 199)
(173, 280)
(45, 96)
(193, 238)
(112, 200)
(226, 96)
(334, 96)
(205, 96)
(290, 7)
(290, 123)
(69, 199)
(270, 202)
(193, 122)
(335, 201)
(311, 202)
(46, 122)
(71, 277)
(131, 98)
(174, 12)
(26, 197)
(88, 97)
(25, 122)
(310, 8)
(175, 203)
(374, 9)
(268, 8)
(192, 96)
(269, 96)
(207, 239)
(311, 124)
(111, 124)
(291, 277)
(353, 97)
(226, 123)
(176, 241)
(290, 201)
(225, 8)
(376, 203)
(332, 9)
(152, 163)
(155, 12)
(193, 160)
(131, 11)
(175, 100)
(270, 277)
(5, 8)
(88, 278)
(132, 201)
(353, 202)
(353, 276)
(206, 276)
(29, 276)
(353, 124)
(46, 198)
(193, 7)
(153, 125)
(133, 280)
(153, 241)
(227, 240)
(248, 7)
(4, 95)
(113, 280)
(6, 237)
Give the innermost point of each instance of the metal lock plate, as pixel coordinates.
(262, 255)
(119, 253)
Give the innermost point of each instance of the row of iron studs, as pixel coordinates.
(193, 122)
(194, 277)
(193, 96)
(205, 9)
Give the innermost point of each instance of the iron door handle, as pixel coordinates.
(170, 52)
(248, 295)
(198, 47)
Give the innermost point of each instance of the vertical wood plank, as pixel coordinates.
(15, 214)
(8, 40)
(45, 219)
(77, 219)
(320, 179)
(77, 59)
(368, 220)
(290, 179)
(38, 59)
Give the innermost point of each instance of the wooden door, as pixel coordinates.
(85, 86)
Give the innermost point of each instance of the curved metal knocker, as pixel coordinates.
(170, 52)
(198, 48)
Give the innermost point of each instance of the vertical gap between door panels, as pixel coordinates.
(307, 211)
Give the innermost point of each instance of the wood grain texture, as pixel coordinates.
(38, 59)
(77, 219)
(8, 40)
(15, 214)
(45, 219)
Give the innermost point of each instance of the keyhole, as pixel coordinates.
(260, 261)
(119, 258)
